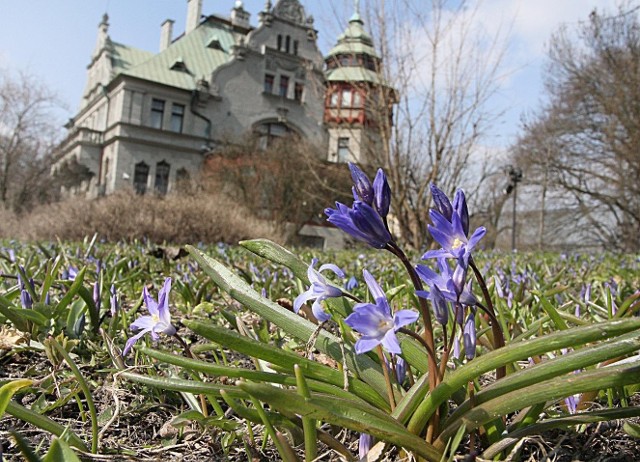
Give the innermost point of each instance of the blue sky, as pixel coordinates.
(53, 39)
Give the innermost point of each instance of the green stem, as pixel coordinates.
(496, 329)
(425, 313)
(387, 378)
(85, 389)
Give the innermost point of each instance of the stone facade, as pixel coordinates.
(146, 120)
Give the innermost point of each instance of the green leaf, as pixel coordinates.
(216, 370)
(24, 448)
(575, 360)
(599, 415)
(183, 385)
(277, 254)
(8, 390)
(632, 429)
(291, 323)
(194, 416)
(285, 359)
(548, 390)
(354, 416)
(44, 423)
(60, 452)
(421, 407)
(552, 312)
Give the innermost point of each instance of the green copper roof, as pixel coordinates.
(353, 74)
(124, 57)
(354, 39)
(192, 56)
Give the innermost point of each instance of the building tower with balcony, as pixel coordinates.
(358, 102)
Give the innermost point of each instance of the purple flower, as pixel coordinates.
(452, 233)
(382, 193)
(448, 284)
(375, 322)
(361, 222)
(441, 201)
(469, 336)
(364, 444)
(351, 284)
(319, 290)
(158, 320)
(96, 295)
(113, 299)
(362, 188)
(25, 299)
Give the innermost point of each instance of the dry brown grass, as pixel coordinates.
(125, 216)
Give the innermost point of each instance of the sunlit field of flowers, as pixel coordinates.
(114, 351)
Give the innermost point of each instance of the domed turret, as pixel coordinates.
(358, 102)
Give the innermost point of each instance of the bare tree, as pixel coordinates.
(584, 144)
(285, 182)
(28, 133)
(445, 69)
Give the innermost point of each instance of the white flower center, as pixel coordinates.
(457, 243)
(385, 324)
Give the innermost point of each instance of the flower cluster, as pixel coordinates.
(365, 220)
(449, 287)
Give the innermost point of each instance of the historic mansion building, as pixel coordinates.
(147, 120)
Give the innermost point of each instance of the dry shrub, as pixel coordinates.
(186, 218)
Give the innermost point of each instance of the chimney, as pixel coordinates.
(166, 34)
(194, 10)
(239, 16)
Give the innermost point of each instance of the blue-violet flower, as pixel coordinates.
(319, 290)
(375, 321)
(158, 320)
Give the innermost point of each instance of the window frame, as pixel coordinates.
(158, 107)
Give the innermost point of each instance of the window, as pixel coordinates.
(162, 177)
(296, 45)
(279, 42)
(346, 98)
(268, 132)
(343, 149)
(140, 175)
(268, 83)
(357, 99)
(333, 101)
(157, 112)
(298, 91)
(284, 86)
(287, 44)
(177, 117)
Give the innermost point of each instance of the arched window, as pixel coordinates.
(279, 42)
(270, 131)
(162, 177)
(287, 44)
(140, 177)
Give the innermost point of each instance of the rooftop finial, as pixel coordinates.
(267, 6)
(356, 12)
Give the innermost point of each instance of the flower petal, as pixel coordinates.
(366, 344)
(390, 342)
(403, 317)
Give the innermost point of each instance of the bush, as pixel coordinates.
(125, 216)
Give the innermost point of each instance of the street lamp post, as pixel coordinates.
(515, 177)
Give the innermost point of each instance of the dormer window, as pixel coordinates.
(215, 44)
(179, 65)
